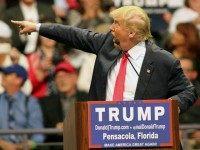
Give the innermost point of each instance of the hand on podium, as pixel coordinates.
(26, 27)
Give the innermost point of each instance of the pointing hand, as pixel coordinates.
(26, 27)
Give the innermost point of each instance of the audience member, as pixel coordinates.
(65, 79)
(185, 42)
(18, 111)
(66, 11)
(9, 55)
(41, 65)
(85, 73)
(27, 10)
(189, 13)
(92, 14)
(189, 69)
(60, 8)
(192, 115)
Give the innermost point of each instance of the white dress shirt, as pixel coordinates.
(30, 13)
(137, 54)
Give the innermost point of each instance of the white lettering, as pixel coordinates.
(150, 135)
(129, 113)
(100, 113)
(118, 136)
(131, 116)
(159, 111)
(104, 136)
(113, 114)
(144, 115)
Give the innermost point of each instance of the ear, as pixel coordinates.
(19, 81)
(131, 35)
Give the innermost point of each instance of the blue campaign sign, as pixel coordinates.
(130, 124)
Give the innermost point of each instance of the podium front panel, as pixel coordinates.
(130, 124)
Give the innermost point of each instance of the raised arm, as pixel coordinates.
(75, 37)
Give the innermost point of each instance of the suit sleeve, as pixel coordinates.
(180, 88)
(82, 39)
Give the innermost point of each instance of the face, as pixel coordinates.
(11, 81)
(65, 82)
(195, 5)
(178, 39)
(120, 34)
(28, 2)
(94, 4)
(187, 67)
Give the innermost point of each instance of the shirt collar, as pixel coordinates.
(138, 50)
(14, 97)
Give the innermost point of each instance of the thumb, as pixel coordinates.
(24, 31)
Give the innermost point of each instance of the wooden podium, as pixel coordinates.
(77, 126)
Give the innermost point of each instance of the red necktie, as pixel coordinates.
(120, 80)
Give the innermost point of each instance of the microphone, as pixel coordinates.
(127, 56)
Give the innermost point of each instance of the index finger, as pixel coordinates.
(17, 22)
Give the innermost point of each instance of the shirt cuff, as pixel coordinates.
(38, 27)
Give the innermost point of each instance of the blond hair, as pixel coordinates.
(135, 19)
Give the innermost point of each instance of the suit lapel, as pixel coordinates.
(108, 60)
(145, 73)
(19, 14)
(113, 56)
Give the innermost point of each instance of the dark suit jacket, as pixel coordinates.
(45, 13)
(161, 76)
(53, 112)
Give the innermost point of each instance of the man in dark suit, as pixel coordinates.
(27, 10)
(150, 73)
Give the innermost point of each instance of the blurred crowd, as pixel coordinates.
(40, 77)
